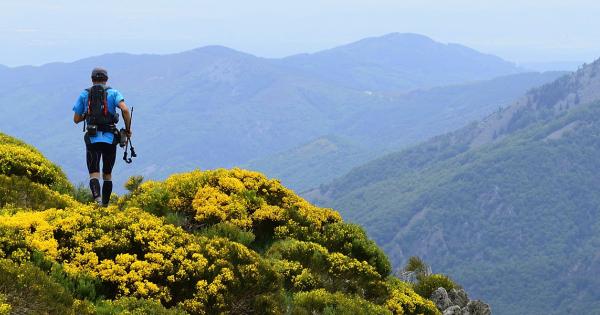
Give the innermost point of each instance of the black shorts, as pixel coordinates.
(101, 151)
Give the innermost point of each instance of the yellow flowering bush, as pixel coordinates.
(404, 301)
(307, 265)
(19, 159)
(351, 240)
(253, 203)
(5, 308)
(135, 254)
(20, 192)
(241, 244)
(246, 199)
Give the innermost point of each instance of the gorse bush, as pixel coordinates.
(323, 302)
(133, 183)
(28, 290)
(21, 192)
(132, 306)
(403, 300)
(5, 308)
(135, 254)
(18, 159)
(213, 242)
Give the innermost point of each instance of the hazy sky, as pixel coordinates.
(41, 31)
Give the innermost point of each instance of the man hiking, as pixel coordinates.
(97, 107)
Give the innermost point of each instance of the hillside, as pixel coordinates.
(410, 118)
(216, 107)
(508, 205)
(211, 242)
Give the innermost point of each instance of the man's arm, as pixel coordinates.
(79, 110)
(126, 116)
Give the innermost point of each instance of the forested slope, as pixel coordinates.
(509, 205)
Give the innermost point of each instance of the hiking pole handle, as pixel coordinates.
(126, 159)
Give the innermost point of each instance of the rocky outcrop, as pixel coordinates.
(453, 310)
(456, 302)
(458, 297)
(441, 299)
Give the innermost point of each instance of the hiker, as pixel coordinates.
(96, 107)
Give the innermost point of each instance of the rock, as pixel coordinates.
(477, 307)
(453, 310)
(441, 299)
(458, 297)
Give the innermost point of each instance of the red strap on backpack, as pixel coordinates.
(105, 103)
(89, 103)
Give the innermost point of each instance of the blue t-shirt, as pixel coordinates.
(114, 98)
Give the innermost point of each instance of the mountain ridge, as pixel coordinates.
(231, 106)
(389, 54)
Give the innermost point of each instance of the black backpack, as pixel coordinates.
(97, 113)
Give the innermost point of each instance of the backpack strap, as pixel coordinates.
(89, 107)
(105, 101)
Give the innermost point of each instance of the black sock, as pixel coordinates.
(95, 188)
(106, 191)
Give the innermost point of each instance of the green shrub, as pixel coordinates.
(30, 291)
(229, 231)
(151, 196)
(82, 193)
(323, 302)
(21, 192)
(311, 263)
(351, 240)
(80, 286)
(427, 284)
(133, 306)
(133, 183)
(416, 264)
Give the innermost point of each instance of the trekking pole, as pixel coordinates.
(129, 144)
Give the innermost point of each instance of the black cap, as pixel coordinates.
(99, 74)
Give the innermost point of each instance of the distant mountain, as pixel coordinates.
(509, 205)
(408, 119)
(217, 107)
(208, 107)
(400, 62)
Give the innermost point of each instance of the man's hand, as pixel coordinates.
(78, 118)
(128, 133)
